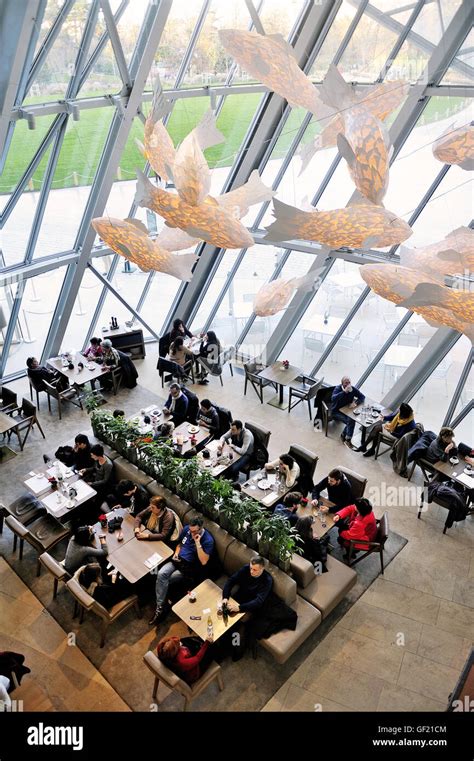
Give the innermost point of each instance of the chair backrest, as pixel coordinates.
(314, 344)
(82, 597)
(164, 344)
(28, 408)
(55, 569)
(37, 384)
(383, 529)
(51, 390)
(259, 433)
(253, 367)
(226, 355)
(307, 461)
(8, 397)
(315, 387)
(357, 481)
(225, 419)
(165, 675)
(193, 405)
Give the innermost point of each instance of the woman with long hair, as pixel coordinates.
(209, 356)
(188, 658)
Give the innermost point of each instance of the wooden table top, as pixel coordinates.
(318, 529)
(182, 430)
(278, 374)
(208, 595)
(128, 525)
(129, 559)
(79, 377)
(7, 423)
(456, 472)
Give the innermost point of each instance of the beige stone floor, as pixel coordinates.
(67, 677)
(401, 647)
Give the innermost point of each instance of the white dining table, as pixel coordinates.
(317, 324)
(401, 356)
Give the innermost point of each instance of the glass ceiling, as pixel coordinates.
(67, 158)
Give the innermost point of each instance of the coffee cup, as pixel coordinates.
(453, 460)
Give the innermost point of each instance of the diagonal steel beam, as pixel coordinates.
(116, 44)
(19, 29)
(459, 388)
(101, 45)
(147, 43)
(48, 43)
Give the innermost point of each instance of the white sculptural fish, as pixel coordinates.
(129, 238)
(275, 295)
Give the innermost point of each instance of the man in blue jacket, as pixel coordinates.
(343, 395)
(176, 406)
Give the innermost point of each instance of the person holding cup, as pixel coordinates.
(443, 448)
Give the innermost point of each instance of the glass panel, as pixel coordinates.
(85, 304)
(104, 76)
(129, 285)
(415, 334)
(51, 11)
(435, 18)
(23, 147)
(209, 62)
(77, 164)
(174, 42)
(465, 429)
(432, 400)
(262, 328)
(455, 77)
(129, 26)
(280, 15)
(362, 62)
(451, 207)
(334, 38)
(409, 64)
(162, 291)
(53, 78)
(37, 307)
(213, 290)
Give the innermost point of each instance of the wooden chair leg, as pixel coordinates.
(137, 610)
(381, 560)
(245, 386)
(220, 681)
(187, 702)
(55, 588)
(36, 422)
(49, 403)
(81, 615)
(155, 687)
(15, 540)
(31, 392)
(231, 369)
(220, 378)
(22, 543)
(59, 409)
(38, 568)
(2, 516)
(37, 399)
(76, 609)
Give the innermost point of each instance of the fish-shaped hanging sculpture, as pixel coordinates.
(454, 255)
(190, 171)
(207, 221)
(129, 238)
(238, 201)
(271, 60)
(361, 225)
(159, 149)
(456, 146)
(275, 295)
(414, 290)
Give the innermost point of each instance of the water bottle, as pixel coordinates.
(210, 629)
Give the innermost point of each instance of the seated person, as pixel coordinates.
(195, 546)
(356, 521)
(131, 496)
(156, 522)
(287, 467)
(38, 374)
(82, 452)
(81, 549)
(99, 475)
(188, 658)
(343, 395)
(208, 417)
(443, 447)
(108, 594)
(179, 353)
(209, 356)
(314, 550)
(288, 507)
(94, 349)
(240, 440)
(254, 584)
(179, 330)
(339, 490)
(176, 406)
(118, 413)
(109, 357)
(164, 432)
(397, 425)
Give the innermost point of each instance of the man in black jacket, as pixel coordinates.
(339, 490)
(132, 497)
(176, 406)
(254, 585)
(208, 417)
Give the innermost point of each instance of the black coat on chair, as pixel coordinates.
(129, 371)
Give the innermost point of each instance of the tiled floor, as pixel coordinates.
(67, 677)
(402, 645)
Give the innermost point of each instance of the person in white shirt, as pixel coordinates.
(240, 440)
(288, 467)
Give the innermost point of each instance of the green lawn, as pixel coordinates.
(84, 140)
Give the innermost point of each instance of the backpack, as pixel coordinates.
(178, 527)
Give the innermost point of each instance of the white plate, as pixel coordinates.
(193, 429)
(185, 439)
(207, 463)
(356, 412)
(264, 484)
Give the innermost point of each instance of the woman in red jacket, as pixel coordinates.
(187, 658)
(356, 521)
